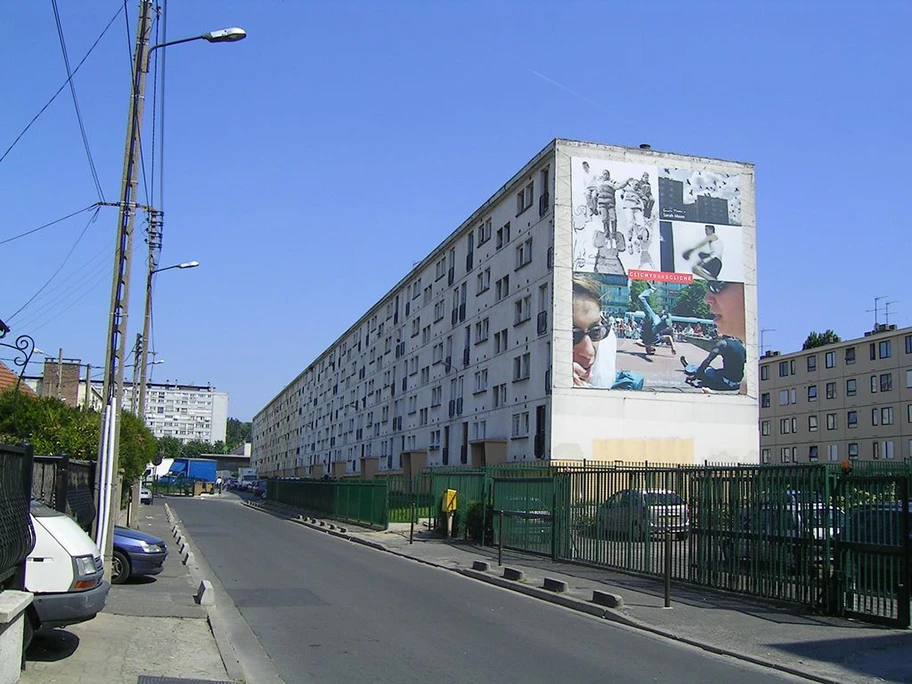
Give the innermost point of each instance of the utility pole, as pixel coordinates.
(155, 242)
(109, 442)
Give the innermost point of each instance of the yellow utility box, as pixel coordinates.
(449, 500)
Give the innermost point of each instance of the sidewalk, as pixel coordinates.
(149, 626)
(776, 635)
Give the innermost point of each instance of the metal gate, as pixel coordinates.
(871, 564)
(524, 513)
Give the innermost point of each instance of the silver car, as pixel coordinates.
(641, 513)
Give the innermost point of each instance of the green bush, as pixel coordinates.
(476, 516)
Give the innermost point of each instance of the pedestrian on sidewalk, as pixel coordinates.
(218, 484)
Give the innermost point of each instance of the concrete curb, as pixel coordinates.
(611, 614)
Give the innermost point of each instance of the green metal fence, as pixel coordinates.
(410, 496)
(359, 501)
(471, 490)
(523, 509)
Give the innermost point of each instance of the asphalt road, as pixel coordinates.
(326, 610)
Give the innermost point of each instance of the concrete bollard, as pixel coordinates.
(514, 574)
(205, 596)
(188, 558)
(343, 530)
(604, 598)
(483, 566)
(558, 586)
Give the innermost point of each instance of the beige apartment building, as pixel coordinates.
(842, 402)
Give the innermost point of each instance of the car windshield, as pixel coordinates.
(663, 499)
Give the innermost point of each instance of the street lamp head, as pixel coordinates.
(228, 35)
(189, 264)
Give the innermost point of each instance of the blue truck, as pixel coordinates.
(190, 469)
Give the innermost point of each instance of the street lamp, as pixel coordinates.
(109, 441)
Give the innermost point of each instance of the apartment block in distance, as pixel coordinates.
(185, 412)
(842, 402)
(540, 330)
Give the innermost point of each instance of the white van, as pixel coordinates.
(64, 572)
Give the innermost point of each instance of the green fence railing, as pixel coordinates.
(359, 501)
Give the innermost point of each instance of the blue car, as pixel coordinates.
(136, 553)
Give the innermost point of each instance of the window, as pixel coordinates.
(435, 440)
(521, 365)
(886, 415)
(484, 232)
(436, 395)
(524, 253)
(853, 450)
(909, 413)
(783, 369)
(428, 294)
(812, 423)
(908, 344)
(884, 348)
(872, 349)
(783, 397)
(416, 289)
(765, 428)
(851, 387)
(909, 378)
(886, 382)
(793, 396)
(849, 356)
(831, 390)
(524, 198)
(437, 353)
(482, 329)
(812, 362)
(439, 310)
(503, 235)
(831, 421)
(812, 452)
(502, 288)
(439, 272)
(479, 429)
(764, 372)
(829, 360)
(426, 334)
(874, 384)
(787, 454)
(765, 400)
(852, 419)
(500, 342)
(416, 326)
(765, 455)
(412, 404)
(483, 281)
(875, 416)
(423, 417)
(481, 380)
(425, 375)
(784, 426)
(833, 452)
(875, 450)
(888, 450)
(522, 310)
(520, 424)
(500, 395)
(413, 365)
(812, 392)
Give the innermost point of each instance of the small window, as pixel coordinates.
(908, 344)
(886, 415)
(783, 369)
(829, 360)
(765, 455)
(853, 450)
(875, 450)
(884, 348)
(831, 421)
(875, 417)
(831, 390)
(833, 452)
(886, 382)
(812, 392)
(812, 362)
(888, 450)
(765, 428)
(812, 423)
(765, 400)
(852, 419)
(851, 387)
(764, 372)
(873, 384)
(849, 356)
(812, 452)
(909, 378)
(783, 397)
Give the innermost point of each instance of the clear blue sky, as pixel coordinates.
(308, 167)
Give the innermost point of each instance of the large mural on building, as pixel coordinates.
(658, 278)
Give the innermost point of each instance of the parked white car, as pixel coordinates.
(641, 513)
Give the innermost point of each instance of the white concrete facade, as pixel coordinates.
(467, 360)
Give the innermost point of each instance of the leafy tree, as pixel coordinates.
(196, 448)
(169, 447)
(137, 446)
(237, 433)
(816, 339)
(691, 301)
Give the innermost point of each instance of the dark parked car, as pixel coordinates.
(136, 553)
(641, 513)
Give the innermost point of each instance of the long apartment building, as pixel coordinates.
(842, 402)
(528, 333)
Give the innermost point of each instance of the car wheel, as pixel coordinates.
(120, 567)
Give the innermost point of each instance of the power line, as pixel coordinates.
(65, 259)
(48, 225)
(85, 138)
(60, 89)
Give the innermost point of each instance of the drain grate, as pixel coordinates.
(149, 679)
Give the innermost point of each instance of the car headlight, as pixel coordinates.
(85, 566)
(149, 548)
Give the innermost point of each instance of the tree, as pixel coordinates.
(691, 302)
(237, 433)
(196, 448)
(169, 447)
(816, 339)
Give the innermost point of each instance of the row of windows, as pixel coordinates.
(882, 382)
(881, 415)
(877, 449)
(882, 350)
